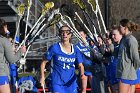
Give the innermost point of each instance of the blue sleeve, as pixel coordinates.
(79, 58)
(49, 54)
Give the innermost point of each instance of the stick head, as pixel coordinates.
(53, 13)
(29, 3)
(57, 18)
(48, 6)
(21, 9)
(79, 3)
(93, 4)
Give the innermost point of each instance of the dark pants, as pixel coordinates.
(98, 82)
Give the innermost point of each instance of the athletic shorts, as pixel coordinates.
(132, 82)
(4, 80)
(63, 89)
(88, 73)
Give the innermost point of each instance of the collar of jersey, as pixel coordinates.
(65, 51)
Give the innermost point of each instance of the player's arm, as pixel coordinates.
(46, 58)
(81, 68)
(42, 67)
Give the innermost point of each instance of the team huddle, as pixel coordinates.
(111, 65)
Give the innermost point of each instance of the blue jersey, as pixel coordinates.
(63, 67)
(111, 69)
(85, 53)
(86, 57)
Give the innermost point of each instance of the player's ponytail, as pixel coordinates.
(132, 26)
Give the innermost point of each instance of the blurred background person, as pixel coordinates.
(116, 37)
(7, 56)
(87, 62)
(128, 57)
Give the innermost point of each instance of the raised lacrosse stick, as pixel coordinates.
(95, 7)
(20, 10)
(27, 18)
(83, 8)
(48, 6)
